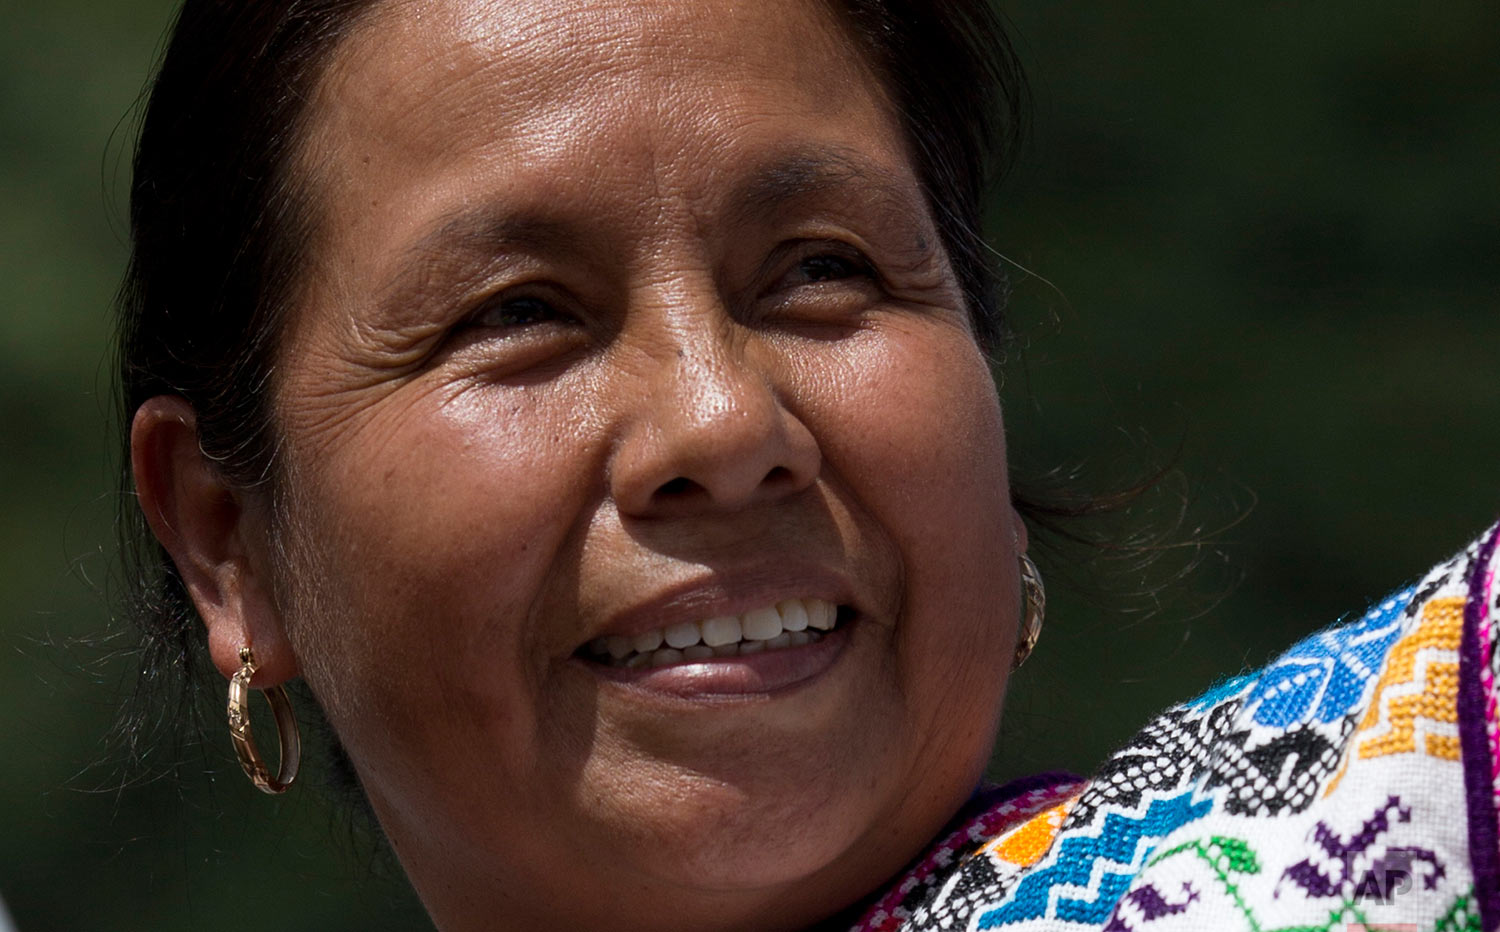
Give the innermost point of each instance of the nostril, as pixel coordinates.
(676, 488)
(681, 488)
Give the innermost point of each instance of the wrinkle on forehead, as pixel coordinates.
(538, 59)
(427, 98)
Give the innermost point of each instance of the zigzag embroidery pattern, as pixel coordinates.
(977, 884)
(893, 909)
(1249, 752)
(987, 876)
(1083, 863)
(1435, 697)
(1340, 878)
(1161, 759)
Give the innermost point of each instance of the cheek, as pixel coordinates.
(921, 441)
(915, 426)
(424, 534)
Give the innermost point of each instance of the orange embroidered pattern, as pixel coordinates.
(1441, 629)
(1025, 844)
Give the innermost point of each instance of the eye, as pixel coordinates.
(822, 271)
(821, 283)
(508, 313)
(532, 327)
(828, 266)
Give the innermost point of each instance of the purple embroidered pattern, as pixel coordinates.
(1149, 903)
(1479, 768)
(1348, 869)
(1352, 783)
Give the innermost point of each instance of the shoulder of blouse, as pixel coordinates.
(1352, 783)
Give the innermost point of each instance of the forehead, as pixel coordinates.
(533, 46)
(435, 102)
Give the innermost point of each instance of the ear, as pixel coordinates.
(217, 536)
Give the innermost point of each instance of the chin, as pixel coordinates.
(730, 840)
(753, 809)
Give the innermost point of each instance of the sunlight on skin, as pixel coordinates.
(624, 315)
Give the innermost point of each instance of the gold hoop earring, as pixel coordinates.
(1036, 609)
(244, 744)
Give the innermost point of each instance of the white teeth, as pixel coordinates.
(683, 635)
(793, 615)
(647, 642)
(761, 624)
(791, 623)
(665, 656)
(722, 630)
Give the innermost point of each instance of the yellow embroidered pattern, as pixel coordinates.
(1441, 629)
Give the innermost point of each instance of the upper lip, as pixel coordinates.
(718, 593)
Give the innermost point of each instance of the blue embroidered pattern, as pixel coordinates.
(1123, 840)
(1286, 827)
(1220, 692)
(1324, 676)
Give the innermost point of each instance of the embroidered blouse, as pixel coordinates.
(1352, 784)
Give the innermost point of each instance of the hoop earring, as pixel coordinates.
(244, 744)
(1036, 609)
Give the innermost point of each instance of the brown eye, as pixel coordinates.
(822, 282)
(511, 313)
(826, 267)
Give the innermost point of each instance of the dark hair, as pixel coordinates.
(219, 216)
(217, 219)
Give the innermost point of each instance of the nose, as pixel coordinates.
(710, 430)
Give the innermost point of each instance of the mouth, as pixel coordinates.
(786, 624)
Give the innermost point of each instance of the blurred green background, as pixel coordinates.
(1262, 241)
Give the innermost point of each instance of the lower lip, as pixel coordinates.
(753, 675)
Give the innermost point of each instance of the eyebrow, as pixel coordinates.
(476, 229)
(471, 242)
(820, 171)
(465, 247)
(796, 175)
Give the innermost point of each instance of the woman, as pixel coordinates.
(591, 405)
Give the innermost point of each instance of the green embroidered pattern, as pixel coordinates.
(1227, 857)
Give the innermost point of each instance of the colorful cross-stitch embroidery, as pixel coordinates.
(1351, 784)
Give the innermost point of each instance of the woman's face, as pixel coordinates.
(623, 317)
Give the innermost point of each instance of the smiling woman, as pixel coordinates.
(590, 403)
(640, 407)
(604, 366)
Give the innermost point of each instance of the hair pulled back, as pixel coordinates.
(220, 218)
